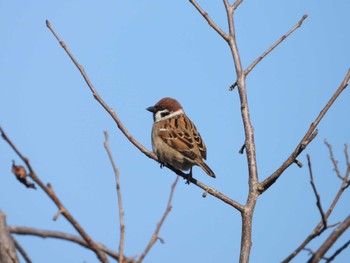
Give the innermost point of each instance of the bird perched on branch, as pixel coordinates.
(175, 139)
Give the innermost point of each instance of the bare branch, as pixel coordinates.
(334, 161)
(20, 230)
(7, 247)
(338, 251)
(319, 229)
(120, 202)
(246, 72)
(99, 99)
(21, 250)
(49, 191)
(121, 127)
(330, 241)
(308, 137)
(318, 199)
(155, 237)
(209, 20)
(236, 4)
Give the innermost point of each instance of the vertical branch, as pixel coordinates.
(318, 199)
(248, 209)
(247, 215)
(7, 247)
(120, 203)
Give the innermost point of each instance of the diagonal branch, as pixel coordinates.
(121, 127)
(22, 251)
(209, 20)
(263, 55)
(120, 202)
(21, 230)
(318, 255)
(318, 199)
(159, 225)
(308, 137)
(246, 72)
(98, 98)
(62, 210)
(338, 251)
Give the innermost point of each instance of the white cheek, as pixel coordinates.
(158, 115)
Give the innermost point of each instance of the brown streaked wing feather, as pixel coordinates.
(177, 140)
(198, 139)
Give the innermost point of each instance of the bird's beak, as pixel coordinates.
(152, 109)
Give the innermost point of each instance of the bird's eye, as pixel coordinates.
(164, 113)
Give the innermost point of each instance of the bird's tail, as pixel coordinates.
(207, 169)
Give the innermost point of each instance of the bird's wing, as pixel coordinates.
(181, 134)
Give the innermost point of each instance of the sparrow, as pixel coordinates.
(175, 139)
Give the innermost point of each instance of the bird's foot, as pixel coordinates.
(189, 176)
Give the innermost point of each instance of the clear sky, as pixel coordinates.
(136, 52)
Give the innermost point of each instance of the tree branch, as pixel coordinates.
(209, 20)
(21, 250)
(120, 203)
(159, 225)
(338, 251)
(319, 229)
(7, 247)
(246, 72)
(334, 161)
(49, 191)
(253, 181)
(263, 55)
(318, 199)
(330, 241)
(121, 127)
(308, 137)
(21, 230)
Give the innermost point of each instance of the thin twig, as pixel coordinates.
(120, 203)
(49, 191)
(121, 127)
(246, 72)
(98, 98)
(319, 229)
(338, 251)
(334, 161)
(308, 137)
(330, 241)
(21, 230)
(263, 55)
(155, 237)
(22, 251)
(209, 20)
(318, 199)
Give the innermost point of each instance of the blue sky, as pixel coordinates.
(136, 52)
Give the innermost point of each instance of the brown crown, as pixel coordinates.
(169, 104)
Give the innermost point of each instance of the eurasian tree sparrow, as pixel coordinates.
(175, 139)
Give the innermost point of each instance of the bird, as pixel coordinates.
(175, 139)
